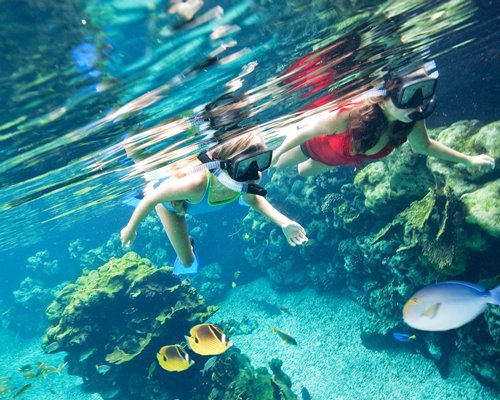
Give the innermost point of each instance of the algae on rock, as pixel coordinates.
(483, 208)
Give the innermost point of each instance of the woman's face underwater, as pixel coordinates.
(394, 113)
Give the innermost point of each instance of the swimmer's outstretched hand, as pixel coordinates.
(481, 160)
(127, 236)
(295, 234)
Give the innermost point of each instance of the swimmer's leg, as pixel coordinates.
(291, 157)
(311, 167)
(177, 231)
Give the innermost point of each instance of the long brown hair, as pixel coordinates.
(368, 122)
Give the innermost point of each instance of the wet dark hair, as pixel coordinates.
(368, 122)
(227, 111)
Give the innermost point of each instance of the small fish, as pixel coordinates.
(86, 354)
(5, 391)
(151, 370)
(246, 236)
(22, 391)
(60, 367)
(403, 337)
(208, 340)
(285, 310)
(30, 374)
(51, 348)
(233, 284)
(284, 336)
(448, 305)
(26, 367)
(102, 369)
(209, 364)
(174, 358)
(41, 369)
(237, 274)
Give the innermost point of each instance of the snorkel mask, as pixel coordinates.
(415, 91)
(241, 168)
(410, 92)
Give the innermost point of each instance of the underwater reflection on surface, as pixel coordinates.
(129, 79)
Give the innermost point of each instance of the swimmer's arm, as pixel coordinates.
(329, 122)
(294, 232)
(186, 188)
(421, 143)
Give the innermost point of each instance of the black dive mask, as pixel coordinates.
(242, 168)
(247, 165)
(416, 93)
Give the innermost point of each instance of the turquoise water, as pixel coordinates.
(80, 78)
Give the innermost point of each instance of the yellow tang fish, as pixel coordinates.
(208, 340)
(174, 358)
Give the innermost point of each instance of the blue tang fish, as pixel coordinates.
(403, 337)
(448, 305)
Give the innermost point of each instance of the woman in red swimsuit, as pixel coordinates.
(370, 128)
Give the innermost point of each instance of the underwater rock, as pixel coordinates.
(235, 378)
(391, 183)
(483, 208)
(479, 342)
(467, 137)
(120, 315)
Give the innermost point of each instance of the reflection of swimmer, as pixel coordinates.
(208, 340)
(229, 170)
(370, 128)
(218, 120)
(186, 13)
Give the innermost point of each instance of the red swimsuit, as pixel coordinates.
(335, 150)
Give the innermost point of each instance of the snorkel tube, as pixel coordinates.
(216, 168)
(427, 109)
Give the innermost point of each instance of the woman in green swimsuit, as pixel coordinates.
(235, 167)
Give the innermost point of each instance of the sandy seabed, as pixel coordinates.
(17, 352)
(330, 360)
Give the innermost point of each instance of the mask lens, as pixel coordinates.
(413, 94)
(246, 168)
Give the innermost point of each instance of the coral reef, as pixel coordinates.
(483, 208)
(210, 284)
(407, 221)
(34, 294)
(118, 316)
(234, 379)
(479, 342)
(389, 185)
(41, 266)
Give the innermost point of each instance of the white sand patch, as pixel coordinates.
(330, 359)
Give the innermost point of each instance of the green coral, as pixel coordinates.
(389, 184)
(124, 311)
(235, 379)
(426, 224)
